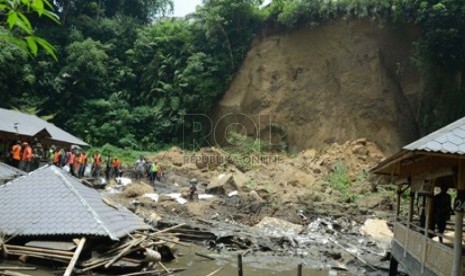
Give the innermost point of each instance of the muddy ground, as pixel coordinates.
(274, 206)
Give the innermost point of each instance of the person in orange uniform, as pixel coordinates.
(16, 154)
(57, 157)
(116, 166)
(97, 165)
(26, 157)
(82, 164)
(71, 158)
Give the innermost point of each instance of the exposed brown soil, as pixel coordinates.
(278, 188)
(337, 82)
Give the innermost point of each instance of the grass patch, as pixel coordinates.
(340, 181)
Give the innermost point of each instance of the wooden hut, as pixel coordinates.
(15, 126)
(437, 159)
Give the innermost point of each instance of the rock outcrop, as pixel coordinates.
(333, 83)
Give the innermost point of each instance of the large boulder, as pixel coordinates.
(221, 185)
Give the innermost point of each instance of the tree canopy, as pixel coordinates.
(126, 74)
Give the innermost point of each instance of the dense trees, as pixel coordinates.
(127, 75)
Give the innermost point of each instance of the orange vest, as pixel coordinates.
(71, 158)
(116, 163)
(97, 159)
(56, 157)
(27, 153)
(17, 152)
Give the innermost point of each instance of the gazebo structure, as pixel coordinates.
(435, 160)
(15, 125)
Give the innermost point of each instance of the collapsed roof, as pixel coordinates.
(16, 123)
(8, 172)
(49, 201)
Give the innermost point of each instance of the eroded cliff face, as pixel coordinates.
(337, 82)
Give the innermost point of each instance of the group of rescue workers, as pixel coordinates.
(27, 158)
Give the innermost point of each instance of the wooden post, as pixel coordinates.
(428, 222)
(399, 191)
(239, 264)
(393, 266)
(457, 264)
(73, 261)
(409, 220)
(410, 206)
(299, 269)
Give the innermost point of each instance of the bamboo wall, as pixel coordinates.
(438, 257)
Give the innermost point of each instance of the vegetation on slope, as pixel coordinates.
(128, 76)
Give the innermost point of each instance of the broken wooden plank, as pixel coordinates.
(18, 268)
(154, 272)
(65, 246)
(173, 241)
(76, 255)
(35, 249)
(124, 251)
(13, 273)
(40, 255)
(168, 229)
(215, 271)
(205, 256)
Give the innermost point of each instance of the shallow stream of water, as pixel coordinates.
(200, 266)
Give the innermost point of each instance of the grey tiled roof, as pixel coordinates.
(449, 139)
(49, 201)
(9, 172)
(30, 125)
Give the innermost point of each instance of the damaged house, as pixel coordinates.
(44, 211)
(8, 173)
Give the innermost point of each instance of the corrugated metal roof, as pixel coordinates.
(49, 201)
(25, 124)
(8, 172)
(449, 139)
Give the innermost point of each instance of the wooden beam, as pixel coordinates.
(76, 255)
(426, 165)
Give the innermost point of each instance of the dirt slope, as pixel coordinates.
(334, 83)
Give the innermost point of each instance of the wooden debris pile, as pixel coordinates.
(140, 253)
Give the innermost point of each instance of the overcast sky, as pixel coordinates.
(183, 7)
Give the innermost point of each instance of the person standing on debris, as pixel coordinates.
(442, 210)
(70, 159)
(26, 157)
(116, 167)
(139, 167)
(16, 154)
(51, 154)
(154, 172)
(38, 151)
(82, 164)
(57, 157)
(193, 189)
(97, 164)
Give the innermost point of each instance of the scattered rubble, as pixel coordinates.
(285, 208)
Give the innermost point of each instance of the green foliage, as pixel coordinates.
(19, 29)
(243, 144)
(127, 157)
(129, 78)
(339, 179)
(250, 184)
